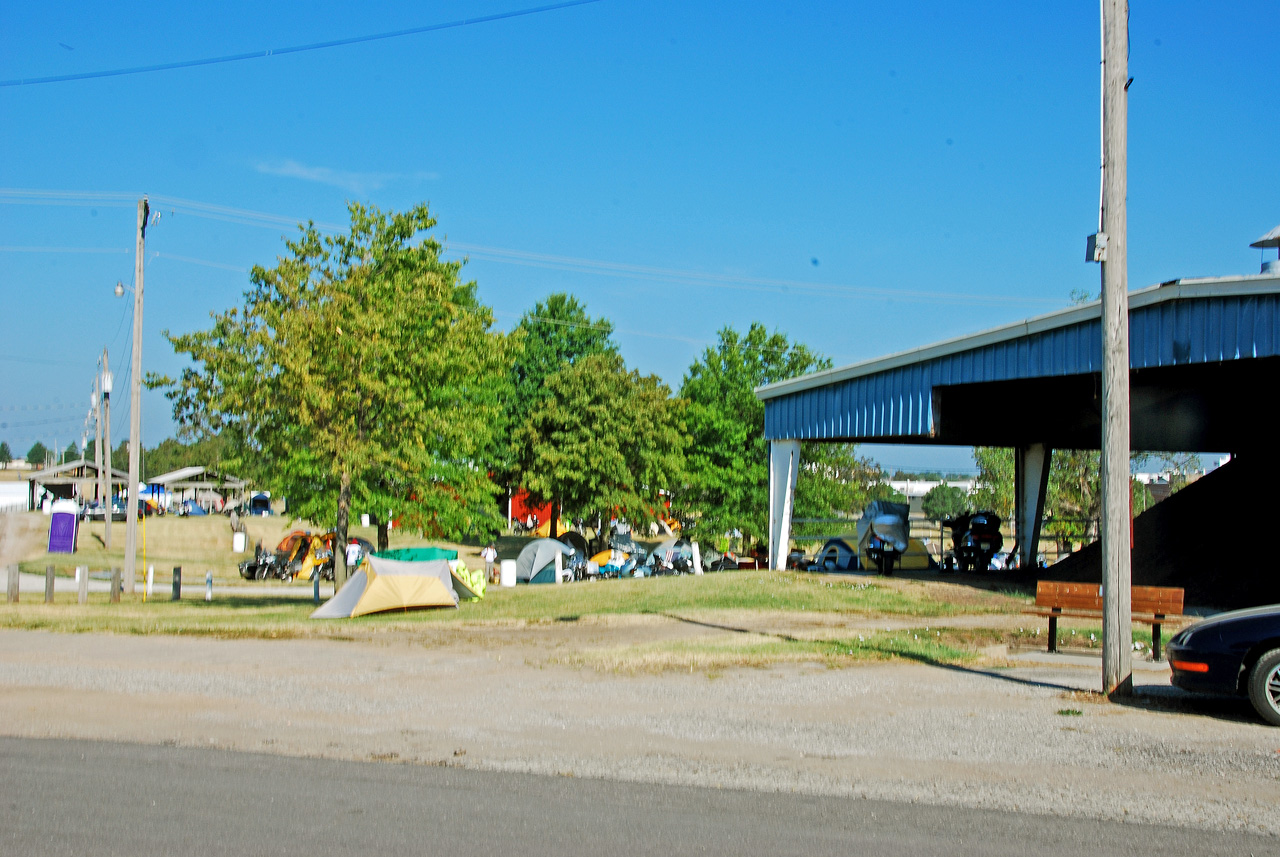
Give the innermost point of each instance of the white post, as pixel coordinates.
(208, 585)
(82, 584)
(1031, 482)
(784, 465)
(151, 579)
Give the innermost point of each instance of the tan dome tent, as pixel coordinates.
(388, 584)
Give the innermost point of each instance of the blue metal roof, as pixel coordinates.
(1181, 323)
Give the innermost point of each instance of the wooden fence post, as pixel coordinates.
(48, 584)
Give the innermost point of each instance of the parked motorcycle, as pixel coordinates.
(883, 553)
(884, 531)
(975, 539)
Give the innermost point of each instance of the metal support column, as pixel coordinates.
(784, 466)
(1031, 484)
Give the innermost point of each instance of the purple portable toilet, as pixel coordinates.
(62, 526)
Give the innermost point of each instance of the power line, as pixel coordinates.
(295, 49)
(239, 269)
(14, 249)
(14, 358)
(52, 421)
(554, 262)
(56, 406)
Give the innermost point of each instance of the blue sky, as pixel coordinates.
(865, 178)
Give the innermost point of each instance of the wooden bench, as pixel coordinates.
(1150, 605)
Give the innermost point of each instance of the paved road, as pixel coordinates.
(83, 797)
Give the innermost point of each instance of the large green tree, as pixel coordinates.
(37, 454)
(1073, 498)
(603, 440)
(727, 462)
(554, 334)
(360, 372)
(944, 501)
(6, 454)
(172, 454)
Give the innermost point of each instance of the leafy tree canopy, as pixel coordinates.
(556, 333)
(944, 501)
(172, 454)
(37, 454)
(6, 454)
(603, 440)
(360, 369)
(1073, 498)
(120, 456)
(727, 465)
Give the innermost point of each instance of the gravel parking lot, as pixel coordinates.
(1034, 737)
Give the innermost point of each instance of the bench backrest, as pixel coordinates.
(1164, 600)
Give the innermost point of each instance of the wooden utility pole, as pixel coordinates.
(106, 443)
(1117, 624)
(97, 435)
(135, 408)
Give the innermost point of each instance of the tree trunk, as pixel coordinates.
(384, 536)
(340, 532)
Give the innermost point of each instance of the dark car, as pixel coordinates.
(1236, 653)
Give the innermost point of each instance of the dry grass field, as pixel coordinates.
(197, 544)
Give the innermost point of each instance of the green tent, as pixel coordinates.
(469, 585)
(417, 554)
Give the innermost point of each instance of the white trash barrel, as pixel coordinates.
(238, 541)
(507, 574)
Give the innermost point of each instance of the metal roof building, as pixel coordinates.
(1204, 358)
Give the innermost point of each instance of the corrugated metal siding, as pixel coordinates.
(898, 402)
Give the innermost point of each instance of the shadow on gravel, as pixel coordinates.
(1145, 697)
(995, 674)
(1174, 700)
(1170, 700)
(717, 627)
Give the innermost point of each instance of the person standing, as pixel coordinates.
(490, 557)
(354, 555)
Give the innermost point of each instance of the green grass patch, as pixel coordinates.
(760, 650)
(1081, 636)
(788, 591)
(235, 616)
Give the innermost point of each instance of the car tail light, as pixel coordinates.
(1190, 666)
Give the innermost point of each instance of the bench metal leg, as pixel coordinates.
(1155, 640)
(1053, 633)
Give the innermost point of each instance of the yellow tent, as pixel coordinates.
(544, 529)
(915, 558)
(387, 584)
